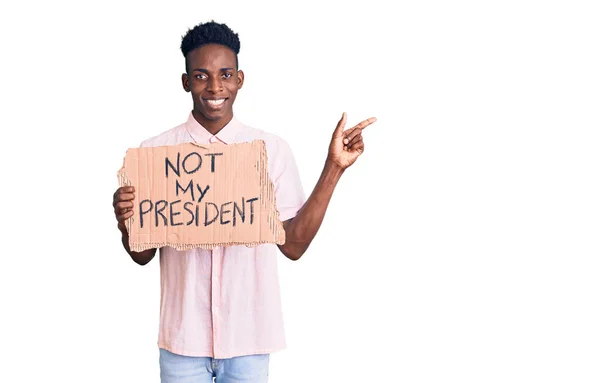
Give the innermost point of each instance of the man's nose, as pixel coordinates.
(215, 85)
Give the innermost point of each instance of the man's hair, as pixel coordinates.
(210, 33)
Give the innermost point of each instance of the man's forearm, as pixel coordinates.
(141, 258)
(302, 229)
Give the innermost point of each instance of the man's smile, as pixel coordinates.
(214, 103)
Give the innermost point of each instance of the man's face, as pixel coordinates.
(213, 80)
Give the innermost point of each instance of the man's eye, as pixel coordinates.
(200, 76)
(227, 75)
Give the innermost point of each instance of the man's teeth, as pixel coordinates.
(216, 102)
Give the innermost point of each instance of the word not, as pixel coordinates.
(190, 164)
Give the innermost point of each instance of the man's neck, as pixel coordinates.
(213, 127)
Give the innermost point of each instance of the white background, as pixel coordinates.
(463, 246)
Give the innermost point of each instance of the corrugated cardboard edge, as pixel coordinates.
(124, 181)
(275, 224)
(269, 203)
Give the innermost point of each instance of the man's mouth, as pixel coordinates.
(215, 103)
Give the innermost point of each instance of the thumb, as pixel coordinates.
(339, 129)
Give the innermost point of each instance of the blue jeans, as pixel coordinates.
(176, 368)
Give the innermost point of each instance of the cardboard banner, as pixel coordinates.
(201, 196)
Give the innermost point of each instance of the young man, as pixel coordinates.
(220, 313)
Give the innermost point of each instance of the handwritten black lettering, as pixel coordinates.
(158, 211)
(241, 211)
(142, 211)
(197, 167)
(252, 209)
(172, 213)
(191, 213)
(206, 221)
(202, 192)
(169, 164)
(225, 211)
(190, 187)
(212, 160)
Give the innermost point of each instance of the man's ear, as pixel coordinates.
(240, 78)
(184, 82)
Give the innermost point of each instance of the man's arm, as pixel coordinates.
(302, 229)
(123, 205)
(344, 149)
(140, 258)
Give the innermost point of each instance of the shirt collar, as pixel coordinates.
(201, 135)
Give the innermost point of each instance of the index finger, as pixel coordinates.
(123, 193)
(123, 190)
(365, 123)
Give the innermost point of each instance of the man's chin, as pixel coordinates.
(213, 115)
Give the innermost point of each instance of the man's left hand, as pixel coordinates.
(347, 145)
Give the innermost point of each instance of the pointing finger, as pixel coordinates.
(365, 123)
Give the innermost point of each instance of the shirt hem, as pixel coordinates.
(209, 354)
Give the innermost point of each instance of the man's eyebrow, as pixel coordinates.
(206, 70)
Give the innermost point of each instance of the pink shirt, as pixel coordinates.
(225, 302)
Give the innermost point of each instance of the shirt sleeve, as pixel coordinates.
(289, 193)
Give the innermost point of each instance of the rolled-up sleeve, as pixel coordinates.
(289, 193)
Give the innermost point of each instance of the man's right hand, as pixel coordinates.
(123, 205)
